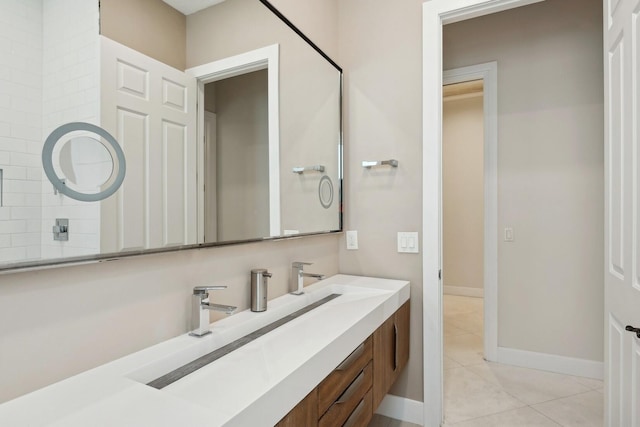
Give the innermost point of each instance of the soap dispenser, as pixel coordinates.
(259, 278)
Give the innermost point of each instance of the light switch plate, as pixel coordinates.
(352, 240)
(408, 242)
(508, 234)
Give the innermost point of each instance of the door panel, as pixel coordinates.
(151, 107)
(622, 240)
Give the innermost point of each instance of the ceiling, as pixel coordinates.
(188, 7)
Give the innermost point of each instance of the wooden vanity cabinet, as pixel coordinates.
(350, 394)
(390, 352)
(304, 414)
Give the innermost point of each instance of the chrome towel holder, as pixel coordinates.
(314, 168)
(368, 164)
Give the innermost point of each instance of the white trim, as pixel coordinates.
(435, 13)
(258, 59)
(551, 362)
(488, 72)
(401, 408)
(464, 291)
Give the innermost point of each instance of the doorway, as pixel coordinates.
(539, 347)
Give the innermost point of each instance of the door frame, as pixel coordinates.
(437, 13)
(259, 59)
(488, 72)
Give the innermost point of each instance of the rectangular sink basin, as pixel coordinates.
(203, 361)
(247, 327)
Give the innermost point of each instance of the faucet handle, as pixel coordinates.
(300, 264)
(200, 290)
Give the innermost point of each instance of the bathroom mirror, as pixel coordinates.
(212, 105)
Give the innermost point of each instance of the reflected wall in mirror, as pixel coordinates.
(209, 156)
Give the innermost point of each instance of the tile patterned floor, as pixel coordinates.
(484, 394)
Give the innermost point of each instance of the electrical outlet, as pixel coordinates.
(352, 240)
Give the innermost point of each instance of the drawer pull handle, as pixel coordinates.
(395, 346)
(354, 415)
(350, 358)
(348, 393)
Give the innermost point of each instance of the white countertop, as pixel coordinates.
(256, 384)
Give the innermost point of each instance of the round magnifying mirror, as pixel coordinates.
(86, 163)
(325, 192)
(83, 161)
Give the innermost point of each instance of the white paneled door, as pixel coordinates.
(622, 213)
(150, 108)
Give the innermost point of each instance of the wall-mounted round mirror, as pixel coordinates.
(325, 192)
(83, 161)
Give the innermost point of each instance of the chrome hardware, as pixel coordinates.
(61, 230)
(200, 307)
(368, 164)
(314, 168)
(298, 275)
(633, 330)
(259, 278)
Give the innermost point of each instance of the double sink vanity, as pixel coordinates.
(329, 365)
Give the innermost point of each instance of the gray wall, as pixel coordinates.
(381, 51)
(242, 141)
(151, 27)
(463, 193)
(131, 304)
(550, 170)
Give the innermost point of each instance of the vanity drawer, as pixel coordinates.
(362, 414)
(347, 402)
(336, 383)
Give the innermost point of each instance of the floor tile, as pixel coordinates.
(590, 383)
(521, 417)
(468, 396)
(471, 322)
(464, 349)
(455, 304)
(379, 421)
(449, 363)
(586, 409)
(450, 330)
(529, 385)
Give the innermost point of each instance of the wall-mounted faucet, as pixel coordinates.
(200, 307)
(298, 275)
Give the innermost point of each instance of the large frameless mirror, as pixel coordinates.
(200, 124)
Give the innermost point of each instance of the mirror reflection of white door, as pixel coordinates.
(150, 108)
(210, 179)
(622, 214)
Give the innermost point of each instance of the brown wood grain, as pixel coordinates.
(304, 414)
(336, 383)
(342, 408)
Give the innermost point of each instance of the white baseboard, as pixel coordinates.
(463, 291)
(401, 408)
(551, 362)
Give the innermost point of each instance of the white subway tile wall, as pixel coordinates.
(49, 75)
(71, 93)
(21, 79)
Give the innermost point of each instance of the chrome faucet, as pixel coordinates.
(200, 307)
(298, 275)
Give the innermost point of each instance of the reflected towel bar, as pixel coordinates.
(316, 168)
(393, 163)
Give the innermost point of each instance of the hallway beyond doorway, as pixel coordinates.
(480, 393)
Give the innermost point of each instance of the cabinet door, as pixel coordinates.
(390, 352)
(304, 414)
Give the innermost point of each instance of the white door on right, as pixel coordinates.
(622, 212)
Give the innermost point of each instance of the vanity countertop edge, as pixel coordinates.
(255, 385)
